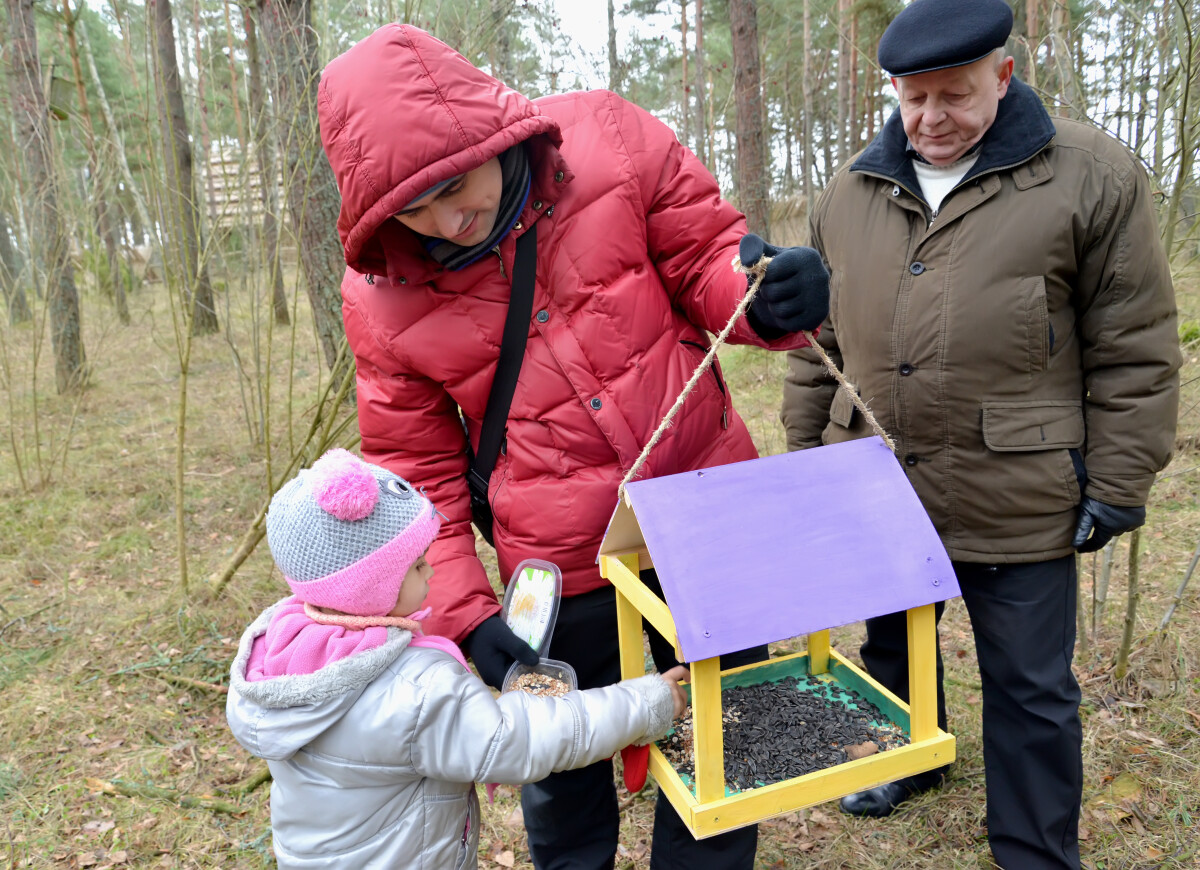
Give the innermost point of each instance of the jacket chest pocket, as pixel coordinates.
(1037, 323)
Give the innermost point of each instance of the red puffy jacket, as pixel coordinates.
(633, 265)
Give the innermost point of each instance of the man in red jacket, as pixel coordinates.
(442, 169)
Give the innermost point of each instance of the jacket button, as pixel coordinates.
(596, 403)
(907, 369)
(911, 459)
(917, 268)
(537, 205)
(543, 316)
(558, 176)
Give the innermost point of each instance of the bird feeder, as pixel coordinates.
(771, 549)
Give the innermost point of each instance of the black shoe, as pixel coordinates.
(882, 800)
(875, 802)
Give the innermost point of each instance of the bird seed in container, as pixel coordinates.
(541, 685)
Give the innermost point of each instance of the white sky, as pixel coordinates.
(585, 24)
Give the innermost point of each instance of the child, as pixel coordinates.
(374, 733)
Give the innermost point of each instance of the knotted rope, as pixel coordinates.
(756, 273)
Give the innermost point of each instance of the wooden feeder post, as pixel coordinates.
(770, 549)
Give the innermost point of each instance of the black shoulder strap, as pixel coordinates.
(512, 352)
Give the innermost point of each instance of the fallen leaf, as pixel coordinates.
(1142, 737)
(1126, 787)
(98, 826)
(506, 858)
(1137, 824)
(515, 819)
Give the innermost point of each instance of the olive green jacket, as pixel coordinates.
(1020, 348)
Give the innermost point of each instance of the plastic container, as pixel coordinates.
(549, 667)
(530, 609)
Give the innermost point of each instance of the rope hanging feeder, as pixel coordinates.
(756, 273)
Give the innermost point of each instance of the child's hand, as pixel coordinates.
(673, 676)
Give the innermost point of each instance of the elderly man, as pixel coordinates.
(1000, 297)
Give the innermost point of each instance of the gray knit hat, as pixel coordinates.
(345, 532)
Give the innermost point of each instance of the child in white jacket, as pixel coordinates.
(375, 733)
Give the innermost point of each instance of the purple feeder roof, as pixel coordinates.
(781, 546)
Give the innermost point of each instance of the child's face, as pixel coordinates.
(414, 589)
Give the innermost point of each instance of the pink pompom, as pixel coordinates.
(343, 485)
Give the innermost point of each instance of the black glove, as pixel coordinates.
(794, 294)
(1103, 522)
(493, 648)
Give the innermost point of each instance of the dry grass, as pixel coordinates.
(103, 664)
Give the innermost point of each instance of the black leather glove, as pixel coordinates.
(493, 648)
(795, 290)
(1103, 522)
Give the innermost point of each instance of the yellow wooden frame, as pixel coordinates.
(709, 810)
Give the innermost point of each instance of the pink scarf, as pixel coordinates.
(302, 639)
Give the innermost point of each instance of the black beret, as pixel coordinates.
(936, 34)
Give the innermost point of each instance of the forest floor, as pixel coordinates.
(114, 748)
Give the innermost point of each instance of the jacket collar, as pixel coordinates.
(1022, 129)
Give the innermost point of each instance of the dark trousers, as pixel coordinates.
(1023, 619)
(571, 818)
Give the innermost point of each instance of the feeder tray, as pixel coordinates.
(762, 551)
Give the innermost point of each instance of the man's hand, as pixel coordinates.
(1103, 522)
(794, 294)
(493, 647)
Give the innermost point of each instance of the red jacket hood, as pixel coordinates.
(401, 111)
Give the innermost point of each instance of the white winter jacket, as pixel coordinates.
(373, 757)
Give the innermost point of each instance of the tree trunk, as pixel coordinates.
(233, 78)
(752, 168)
(806, 132)
(262, 135)
(684, 84)
(852, 101)
(114, 132)
(312, 193)
(1185, 129)
(843, 81)
(1161, 100)
(502, 45)
(46, 227)
(104, 220)
(614, 67)
(12, 282)
(184, 212)
(1133, 598)
(702, 145)
(206, 148)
